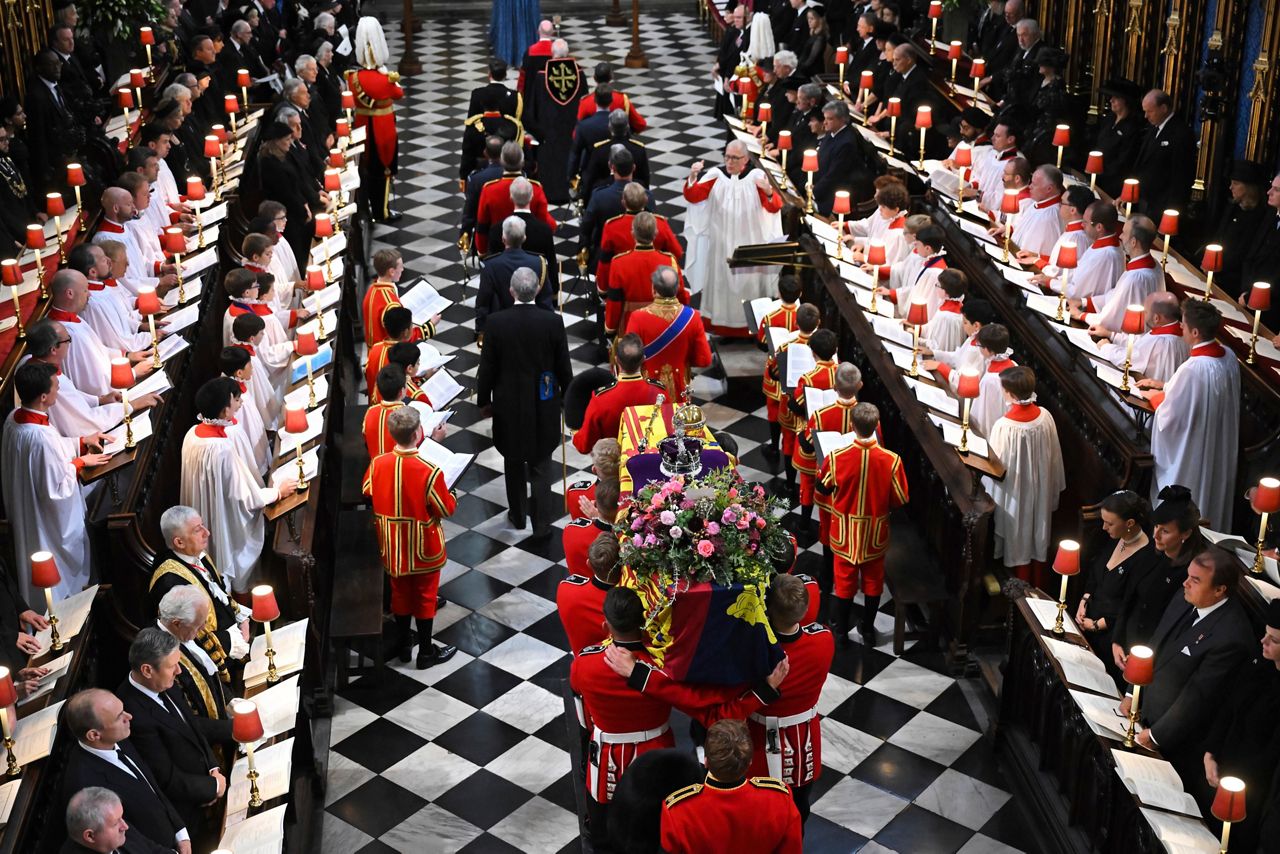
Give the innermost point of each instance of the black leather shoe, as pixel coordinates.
(518, 524)
(434, 655)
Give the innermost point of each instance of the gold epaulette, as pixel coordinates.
(683, 794)
(769, 783)
(393, 76)
(617, 216)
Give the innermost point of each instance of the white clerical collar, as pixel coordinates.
(1201, 613)
(147, 691)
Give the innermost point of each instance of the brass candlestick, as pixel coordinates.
(1259, 562)
(55, 641)
(1058, 628)
(273, 675)
(255, 796)
(57, 228)
(915, 351)
(893, 134)
(1131, 733)
(129, 444)
(1062, 297)
(1253, 341)
(1128, 362)
(963, 447)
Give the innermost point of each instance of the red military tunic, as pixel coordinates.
(824, 377)
(588, 105)
(866, 483)
(604, 411)
(782, 317)
(579, 489)
(495, 205)
(577, 538)
(378, 361)
(617, 237)
(375, 91)
(787, 733)
(380, 297)
(837, 417)
(580, 603)
(671, 364)
(377, 436)
(631, 284)
(790, 422)
(755, 815)
(410, 498)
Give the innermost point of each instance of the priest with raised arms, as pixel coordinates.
(220, 486)
(729, 206)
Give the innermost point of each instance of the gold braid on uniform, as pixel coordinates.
(206, 696)
(208, 637)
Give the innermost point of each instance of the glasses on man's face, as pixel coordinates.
(735, 157)
(62, 341)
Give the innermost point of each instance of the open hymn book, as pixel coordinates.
(1082, 668)
(278, 708)
(262, 833)
(1154, 782)
(290, 645)
(1180, 834)
(273, 765)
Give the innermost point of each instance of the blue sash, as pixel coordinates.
(671, 333)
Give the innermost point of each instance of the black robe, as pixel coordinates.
(551, 104)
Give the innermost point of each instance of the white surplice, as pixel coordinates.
(110, 313)
(252, 435)
(1195, 432)
(1156, 354)
(921, 285)
(1028, 495)
(45, 501)
(945, 330)
(990, 178)
(730, 217)
(989, 405)
(140, 273)
(1141, 278)
(1038, 227)
(1097, 270)
(88, 360)
(965, 355)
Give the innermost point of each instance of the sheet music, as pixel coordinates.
(171, 346)
(827, 442)
(431, 419)
(51, 227)
(1102, 714)
(49, 681)
(757, 309)
(34, 734)
(141, 424)
(214, 214)
(274, 766)
(301, 396)
(943, 180)
(321, 359)
(752, 144)
(854, 274)
(328, 297)
(1022, 278)
(278, 708)
(451, 464)
(1082, 668)
(1264, 348)
(1080, 338)
(424, 301)
(1232, 312)
(358, 135)
(290, 441)
(777, 337)
(441, 389)
(350, 180)
(902, 358)
(191, 288)
(892, 330)
(1046, 611)
(1180, 834)
(934, 397)
(799, 362)
(262, 833)
(156, 382)
(817, 398)
(176, 321)
(8, 794)
(821, 229)
(1113, 377)
(951, 435)
(198, 264)
(429, 358)
(346, 212)
(71, 612)
(193, 240)
(288, 468)
(289, 643)
(1154, 782)
(1266, 590)
(313, 326)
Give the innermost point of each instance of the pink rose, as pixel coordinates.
(733, 493)
(687, 504)
(650, 540)
(759, 521)
(705, 548)
(657, 499)
(668, 518)
(743, 524)
(759, 490)
(712, 529)
(637, 541)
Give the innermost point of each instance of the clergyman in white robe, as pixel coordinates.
(1025, 440)
(1141, 278)
(1156, 353)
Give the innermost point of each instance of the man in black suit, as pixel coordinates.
(53, 136)
(910, 84)
(1005, 48)
(1200, 639)
(1016, 85)
(238, 53)
(95, 822)
(804, 119)
(1263, 257)
(171, 740)
(105, 757)
(732, 44)
(596, 173)
(864, 52)
(539, 238)
(1166, 162)
(606, 203)
(986, 29)
(524, 370)
(782, 15)
(496, 276)
(80, 86)
(589, 131)
(495, 95)
(840, 162)
(204, 684)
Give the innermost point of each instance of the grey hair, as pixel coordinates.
(785, 57)
(618, 122)
(293, 84)
(87, 810)
(524, 285)
(287, 112)
(181, 603)
(175, 91)
(240, 26)
(150, 645)
(514, 231)
(1029, 24)
(512, 156)
(559, 49)
(1052, 174)
(521, 192)
(303, 61)
(187, 79)
(175, 520)
(666, 281)
(837, 109)
(324, 19)
(324, 50)
(736, 145)
(848, 374)
(812, 91)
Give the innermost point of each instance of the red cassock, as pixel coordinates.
(261, 309)
(783, 317)
(580, 603)
(756, 815)
(838, 417)
(865, 483)
(604, 411)
(579, 489)
(790, 422)
(787, 734)
(617, 237)
(671, 360)
(631, 284)
(587, 106)
(377, 436)
(496, 205)
(375, 92)
(578, 537)
(410, 498)
(806, 463)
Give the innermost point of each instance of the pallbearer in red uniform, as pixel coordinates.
(376, 90)
(807, 319)
(384, 294)
(581, 533)
(823, 376)
(731, 811)
(606, 455)
(580, 598)
(410, 498)
(865, 483)
(675, 341)
(782, 317)
(631, 388)
(631, 275)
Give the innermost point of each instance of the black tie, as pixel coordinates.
(137, 772)
(1185, 623)
(171, 706)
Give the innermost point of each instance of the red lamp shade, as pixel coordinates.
(1139, 667)
(875, 253)
(175, 242)
(54, 205)
(842, 55)
(810, 160)
(867, 80)
(918, 313)
(765, 113)
(1260, 296)
(343, 127)
(1133, 322)
(963, 155)
(148, 302)
(242, 77)
(75, 175)
(1009, 202)
(305, 344)
(136, 77)
(969, 384)
(220, 131)
(1093, 165)
(11, 272)
(146, 35)
(1266, 497)
(978, 68)
(8, 692)
(212, 148)
(324, 225)
(124, 98)
(924, 117)
(332, 180)
(784, 140)
(1228, 801)
(841, 203)
(336, 160)
(935, 8)
(1061, 136)
(265, 608)
(230, 104)
(195, 188)
(246, 723)
(295, 421)
(121, 373)
(44, 570)
(315, 278)
(348, 100)
(1067, 560)
(1169, 223)
(1067, 255)
(1129, 193)
(954, 50)
(895, 107)
(1211, 262)
(35, 237)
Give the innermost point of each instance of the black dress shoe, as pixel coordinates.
(514, 522)
(434, 655)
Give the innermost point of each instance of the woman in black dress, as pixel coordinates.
(1177, 538)
(1110, 573)
(813, 57)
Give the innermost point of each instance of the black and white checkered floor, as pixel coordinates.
(473, 755)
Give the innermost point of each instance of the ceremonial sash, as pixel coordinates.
(208, 638)
(670, 334)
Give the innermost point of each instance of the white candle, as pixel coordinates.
(1062, 597)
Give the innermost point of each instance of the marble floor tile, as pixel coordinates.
(523, 655)
(859, 806)
(982, 844)
(430, 771)
(348, 718)
(538, 827)
(909, 683)
(430, 713)
(518, 608)
(835, 691)
(449, 614)
(514, 566)
(431, 830)
(345, 776)
(527, 707)
(533, 764)
(843, 747)
(962, 799)
(934, 738)
(338, 837)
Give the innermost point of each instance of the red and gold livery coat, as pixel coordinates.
(410, 498)
(866, 483)
(376, 92)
